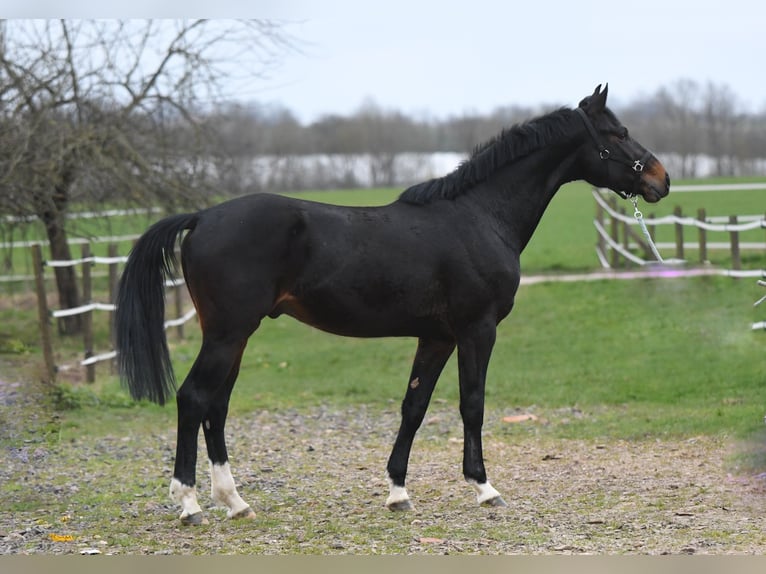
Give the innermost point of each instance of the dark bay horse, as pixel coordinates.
(441, 263)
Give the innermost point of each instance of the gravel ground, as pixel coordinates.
(316, 481)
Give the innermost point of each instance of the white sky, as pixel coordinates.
(444, 57)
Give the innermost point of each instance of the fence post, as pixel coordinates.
(701, 217)
(736, 260)
(112, 252)
(625, 236)
(679, 234)
(43, 315)
(87, 324)
(614, 232)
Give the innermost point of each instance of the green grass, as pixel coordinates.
(633, 359)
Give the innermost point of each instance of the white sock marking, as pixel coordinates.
(186, 496)
(484, 492)
(396, 494)
(223, 491)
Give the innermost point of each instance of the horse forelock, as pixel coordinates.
(510, 145)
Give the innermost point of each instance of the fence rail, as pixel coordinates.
(87, 309)
(89, 214)
(73, 241)
(616, 236)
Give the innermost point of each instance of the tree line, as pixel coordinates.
(703, 127)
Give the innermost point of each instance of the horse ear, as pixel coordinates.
(596, 102)
(604, 93)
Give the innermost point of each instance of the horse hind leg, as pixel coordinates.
(208, 385)
(223, 490)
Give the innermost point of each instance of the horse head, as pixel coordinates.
(612, 158)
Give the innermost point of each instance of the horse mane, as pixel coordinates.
(510, 145)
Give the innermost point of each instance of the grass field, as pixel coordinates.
(630, 359)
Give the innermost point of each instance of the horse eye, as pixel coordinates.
(623, 134)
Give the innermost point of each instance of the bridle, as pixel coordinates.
(603, 152)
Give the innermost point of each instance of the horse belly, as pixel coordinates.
(362, 313)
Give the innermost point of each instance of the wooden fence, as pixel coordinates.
(760, 325)
(618, 235)
(89, 307)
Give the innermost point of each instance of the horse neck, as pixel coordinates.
(518, 195)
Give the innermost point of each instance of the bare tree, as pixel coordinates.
(677, 123)
(102, 110)
(465, 132)
(245, 132)
(720, 117)
(750, 144)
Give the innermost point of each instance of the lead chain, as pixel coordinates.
(640, 218)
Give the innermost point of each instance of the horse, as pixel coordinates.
(440, 264)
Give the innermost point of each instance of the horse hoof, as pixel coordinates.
(400, 506)
(196, 519)
(495, 502)
(244, 514)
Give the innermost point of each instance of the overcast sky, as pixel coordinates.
(444, 57)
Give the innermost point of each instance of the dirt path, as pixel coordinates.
(316, 481)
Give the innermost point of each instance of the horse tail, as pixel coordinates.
(143, 359)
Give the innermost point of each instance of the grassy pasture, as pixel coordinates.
(622, 375)
(630, 359)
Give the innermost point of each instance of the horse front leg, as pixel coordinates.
(474, 350)
(430, 359)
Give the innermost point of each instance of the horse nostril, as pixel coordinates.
(667, 180)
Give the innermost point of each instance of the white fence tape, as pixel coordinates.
(756, 222)
(110, 307)
(82, 309)
(72, 241)
(89, 214)
(95, 259)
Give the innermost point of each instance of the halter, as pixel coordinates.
(636, 165)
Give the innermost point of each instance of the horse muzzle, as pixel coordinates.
(655, 183)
